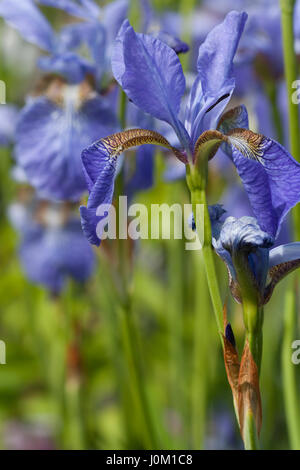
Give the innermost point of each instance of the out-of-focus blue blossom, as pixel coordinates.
(165, 27)
(52, 131)
(98, 29)
(242, 240)
(52, 247)
(151, 75)
(8, 121)
(34, 27)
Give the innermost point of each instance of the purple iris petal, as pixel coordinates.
(284, 254)
(272, 184)
(215, 59)
(245, 235)
(151, 75)
(50, 140)
(31, 24)
(214, 85)
(71, 66)
(49, 256)
(100, 169)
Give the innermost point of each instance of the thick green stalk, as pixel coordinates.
(197, 186)
(250, 433)
(253, 314)
(290, 393)
(200, 376)
(288, 369)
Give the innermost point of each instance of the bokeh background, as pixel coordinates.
(69, 380)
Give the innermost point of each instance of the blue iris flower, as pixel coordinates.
(151, 75)
(53, 129)
(34, 27)
(243, 239)
(53, 247)
(98, 28)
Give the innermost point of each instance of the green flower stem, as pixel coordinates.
(200, 376)
(250, 435)
(123, 109)
(290, 392)
(288, 369)
(253, 314)
(196, 181)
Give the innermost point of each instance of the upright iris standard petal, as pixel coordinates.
(215, 59)
(50, 139)
(24, 16)
(214, 85)
(151, 75)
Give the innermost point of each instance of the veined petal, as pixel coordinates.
(282, 260)
(215, 59)
(214, 85)
(99, 165)
(235, 118)
(28, 20)
(115, 144)
(270, 176)
(50, 139)
(101, 194)
(151, 74)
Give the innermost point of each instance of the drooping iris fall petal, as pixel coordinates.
(51, 136)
